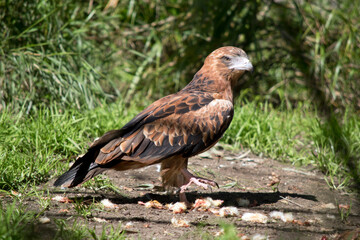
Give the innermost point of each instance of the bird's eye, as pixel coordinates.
(226, 58)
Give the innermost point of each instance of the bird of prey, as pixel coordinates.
(172, 129)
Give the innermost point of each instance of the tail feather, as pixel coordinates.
(83, 169)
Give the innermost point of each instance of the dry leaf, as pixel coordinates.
(328, 206)
(254, 217)
(128, 189)
(285, 217)
(259, 236)
(207, 203)
(44, 220)
(63, 211)
(178, 207)
(15, 193)
(111, 4)
(274, 179)
(214, 210)
(180, 222)
(216, 203)
(152, 204)
(301, 223)
(100, 220)
(129, 225)
(61, 199)
(202, 203)
(219, 233)
(344, 206)
(108, 204)
(228, 212)
(244, 237)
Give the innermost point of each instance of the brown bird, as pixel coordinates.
(172, 129)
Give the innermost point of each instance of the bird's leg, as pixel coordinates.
(183, 199)
(189, 179)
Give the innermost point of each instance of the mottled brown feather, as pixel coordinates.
(179, 131)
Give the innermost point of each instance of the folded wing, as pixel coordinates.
(181, 124)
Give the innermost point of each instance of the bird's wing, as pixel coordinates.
(180, 124)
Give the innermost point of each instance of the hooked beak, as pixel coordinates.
(241, 63)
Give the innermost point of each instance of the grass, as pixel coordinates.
(18, 223)
(301, 137)
(15, 222)
(80, 56)
(35, 145)
(278, 134)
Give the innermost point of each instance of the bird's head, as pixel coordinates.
(231, 62)
(220, 72)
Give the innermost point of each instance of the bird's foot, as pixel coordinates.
(191, 179)
(201, 182)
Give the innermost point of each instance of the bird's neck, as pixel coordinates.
(211, 83)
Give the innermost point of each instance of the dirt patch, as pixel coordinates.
(244, 181)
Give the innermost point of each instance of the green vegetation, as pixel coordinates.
(78, 55)
(70, 70)
(34, 145)
(15, 222)
(301, 137)
(18, 224)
